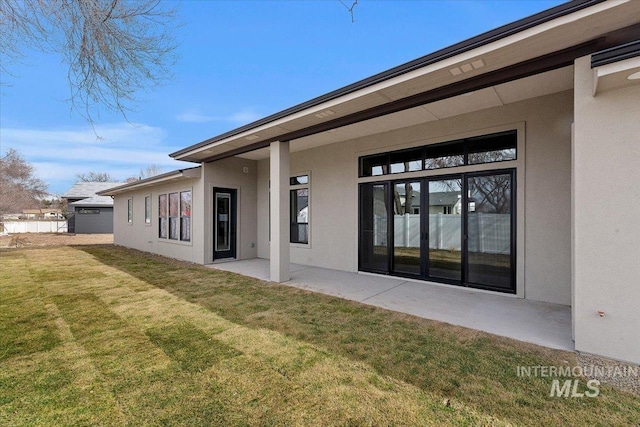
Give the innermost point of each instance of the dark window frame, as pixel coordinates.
(297, 184)
(459, 147)
(182, 218)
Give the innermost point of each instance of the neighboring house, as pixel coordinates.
(534, 126)
(89, 213)
(42, 214)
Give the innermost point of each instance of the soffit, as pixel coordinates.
(617, 75)
(571, 30)
(518, 90)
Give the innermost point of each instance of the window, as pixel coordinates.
(147, 210)
(299, 201)
(130, 211)
(85, 211)
(174, 203)
(175, 216)
(185, 216)
(496, 147)
(162, 216)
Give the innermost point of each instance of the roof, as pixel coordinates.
(94, 201)
(466, 45)
(81, 190)
(176, 175)
(444, 198)
(41, 211)
(546, 41)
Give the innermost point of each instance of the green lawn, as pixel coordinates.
(101, 335)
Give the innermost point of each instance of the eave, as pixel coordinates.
(177, 175)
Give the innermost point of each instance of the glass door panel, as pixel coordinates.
(445, 229)
(223, 229)
(489, 231)
(374, 225)
(224, 223)
(406, 227)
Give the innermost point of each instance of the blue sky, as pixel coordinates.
(239, 61)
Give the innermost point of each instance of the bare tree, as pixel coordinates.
(113, 48)
(350, 8)
(94, 177)
(19, 187)
(148, 172)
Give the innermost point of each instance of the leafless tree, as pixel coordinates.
(148, 172)
(113, 48)
(19, 187)
(350, 8)
(94, 177)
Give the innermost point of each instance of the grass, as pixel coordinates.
(102, 335)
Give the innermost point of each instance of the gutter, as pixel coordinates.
(456, 49)
(180, 174)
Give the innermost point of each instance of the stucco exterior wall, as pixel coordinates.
(239, 174)
(545, 261)
(606, 204)
(143, 236)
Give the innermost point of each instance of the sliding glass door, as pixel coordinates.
(445, 229)
(374, 228)
(490, 231)
(407, 228)
(456, 229)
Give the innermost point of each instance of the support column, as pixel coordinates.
(279, 210)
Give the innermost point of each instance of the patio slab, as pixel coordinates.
(536, 322)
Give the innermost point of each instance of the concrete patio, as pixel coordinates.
(536, 322)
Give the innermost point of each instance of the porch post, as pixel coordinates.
(279, 210)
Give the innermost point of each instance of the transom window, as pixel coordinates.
(496, 147)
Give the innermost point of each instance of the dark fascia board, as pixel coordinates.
(180, 172)
(456, 49)
(615, 54)
(562, 58)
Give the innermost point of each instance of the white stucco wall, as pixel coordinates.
(142, 236)
(241, 175)
(606, 258)
(545, 259)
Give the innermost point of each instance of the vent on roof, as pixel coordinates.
(465, 68)
(325, 113)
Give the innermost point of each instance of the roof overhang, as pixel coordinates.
(617, 67)
(177, 175)
(544, 42)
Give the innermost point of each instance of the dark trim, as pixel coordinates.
(239, 150)
(439, 55)
(233, 232)
(424, 232)
(615, 54)
(528, 68)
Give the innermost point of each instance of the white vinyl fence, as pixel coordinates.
(26, 226)
(488, 233)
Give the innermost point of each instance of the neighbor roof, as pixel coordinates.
(94, 201)
(81, 190)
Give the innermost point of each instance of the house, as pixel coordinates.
(42, 214)
(533, 127)
(89, 213)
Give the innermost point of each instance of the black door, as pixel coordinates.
(224, 223)
(457, 229)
